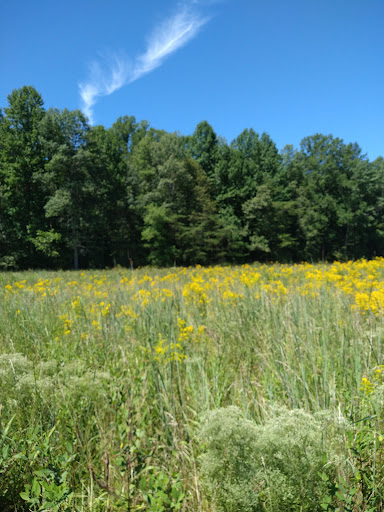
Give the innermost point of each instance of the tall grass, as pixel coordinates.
(105, 375)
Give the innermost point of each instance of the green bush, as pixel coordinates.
(272, 467)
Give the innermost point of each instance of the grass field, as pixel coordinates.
(106, 377)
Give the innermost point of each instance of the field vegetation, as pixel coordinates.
(246, 388)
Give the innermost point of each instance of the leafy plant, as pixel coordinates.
(162, 493)
(48, 487)
(253, 468)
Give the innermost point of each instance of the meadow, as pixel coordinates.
(155, 389)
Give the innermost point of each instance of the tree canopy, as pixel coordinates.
(72, 195)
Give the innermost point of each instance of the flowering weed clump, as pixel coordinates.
(105, 375)
(272, 466)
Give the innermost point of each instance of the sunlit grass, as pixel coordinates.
(121, 364)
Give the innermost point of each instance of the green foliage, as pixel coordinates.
(274, 466)
(11, 455)
(131, 194)
(96, 416)
(360, 486)
(162, 493)
(228, 468)
(203, 145)
(46, 241)
(365, 443)
(21, 158)
(159, 235)
(48, 487)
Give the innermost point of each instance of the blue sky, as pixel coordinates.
(290, 68)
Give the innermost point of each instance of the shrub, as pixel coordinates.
(271, 467)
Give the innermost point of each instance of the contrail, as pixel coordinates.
(171, 35)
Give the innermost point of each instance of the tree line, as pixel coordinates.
(72, 195)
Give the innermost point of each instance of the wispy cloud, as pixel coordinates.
(171, 35)
(102, 82)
